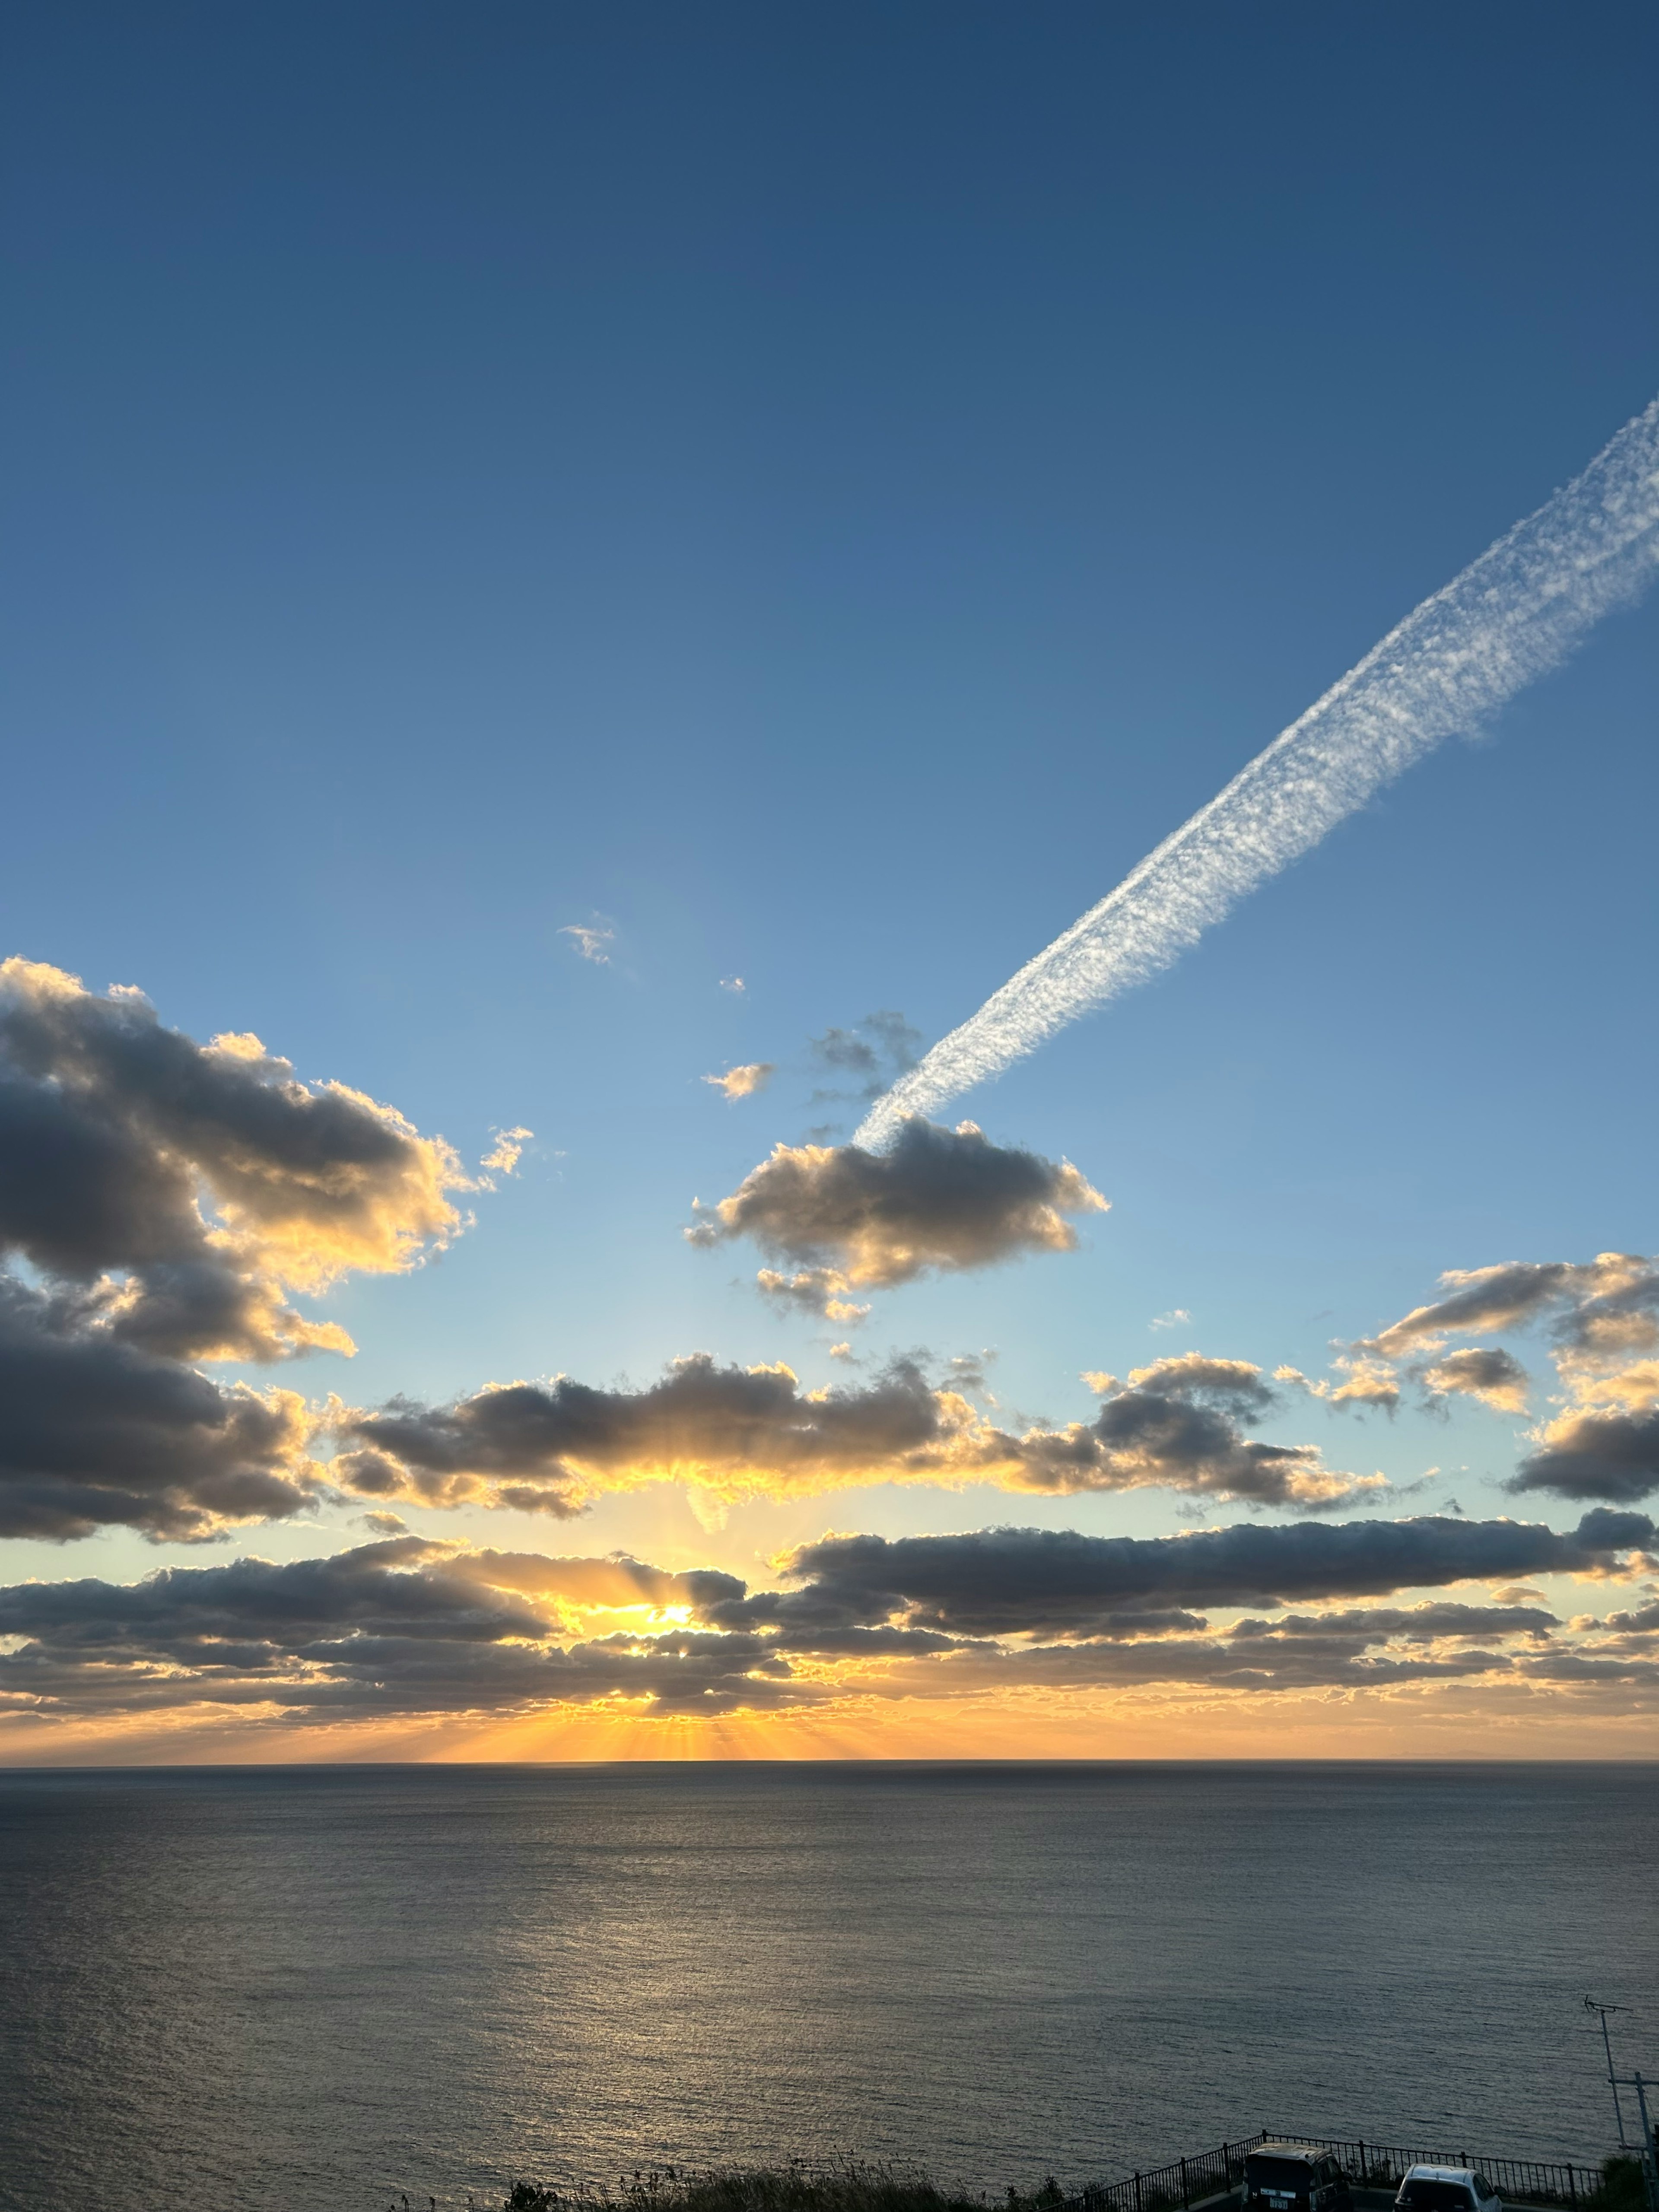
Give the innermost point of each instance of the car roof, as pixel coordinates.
(1440, 2173)
(1284, 2150)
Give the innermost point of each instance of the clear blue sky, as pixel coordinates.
(825, 490)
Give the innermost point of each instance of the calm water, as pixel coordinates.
(309, 1989)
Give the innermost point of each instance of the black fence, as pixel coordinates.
(1190, 2181)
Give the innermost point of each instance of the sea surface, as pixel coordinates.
(313, 1989)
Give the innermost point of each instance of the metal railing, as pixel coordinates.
(1189, 2181)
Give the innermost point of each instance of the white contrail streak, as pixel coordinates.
(1511, 615)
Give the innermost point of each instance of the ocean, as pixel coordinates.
(313, 1989)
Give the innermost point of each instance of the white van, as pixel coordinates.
(1447, 2189)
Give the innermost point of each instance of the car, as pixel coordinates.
(1281, 2176)
(1447, 2189)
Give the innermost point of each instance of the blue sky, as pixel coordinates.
(820, 494)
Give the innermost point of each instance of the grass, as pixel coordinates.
(848, 2185)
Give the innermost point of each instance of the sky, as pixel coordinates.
(586, 584)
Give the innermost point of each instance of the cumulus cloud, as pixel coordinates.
(743, 1082)
(165, 1200)
(1178, 1424)
(1485, 1372)
(941, 1200)
(734, 1431)
(409, 1626)
(1602, 1319)
(1588, 1455)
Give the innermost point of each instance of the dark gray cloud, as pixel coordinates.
(1029, 1581)
(1178, 1424)
(1613, 1455)
(875, 1052)
(95, 1432)
(941, 1200)
(160, 1200)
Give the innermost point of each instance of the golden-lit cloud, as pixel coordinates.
(940, 1200)
(166, 1200)
(743, 1431)
(1482, 1371)
(408, 1630)
(743, 1082)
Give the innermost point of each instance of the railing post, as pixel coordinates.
(1573, 2185)
(1137, 2193)
(1185, 2199)
(1363, 2168)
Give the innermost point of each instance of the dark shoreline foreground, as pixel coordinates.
(853, 2185)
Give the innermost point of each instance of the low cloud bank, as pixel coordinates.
(412, 1627)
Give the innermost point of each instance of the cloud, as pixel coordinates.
(547, 1447)
(1487, 1373)
(1365, 1382)
(183, 1188)
(735, 1431)
(163, 1200)
(942, 1199)
(877, 1050)
(1609, 1306)
(1178, 1426)
(733, 983)
(1038, 1580)
(504, 1155)
(408, 1626)
(811, 1290)
(1611, 1456)
(398, 1628)
(743, 1082)
(592, 940)
(1177, 1317)
(94, 1431)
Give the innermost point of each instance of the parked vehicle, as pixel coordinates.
(1447, 2189)
(1289, 2178)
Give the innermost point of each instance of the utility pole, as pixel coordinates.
(1647, 2154)
(1591, 2005)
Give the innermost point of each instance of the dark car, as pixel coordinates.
(1288, 2178)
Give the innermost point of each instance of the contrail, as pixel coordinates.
(1512, 616)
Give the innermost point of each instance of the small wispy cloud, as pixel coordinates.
(591, 940)
(1177, 1317)
(743, 1082)
(733, 983)
(507, 1151)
